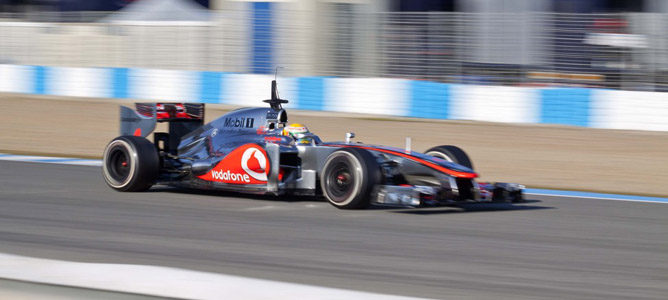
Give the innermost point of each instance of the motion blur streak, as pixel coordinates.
(549, 248)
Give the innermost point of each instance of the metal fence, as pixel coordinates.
(621, 51)
(625, 51)
(77, 42)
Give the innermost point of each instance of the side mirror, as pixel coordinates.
(349, 136)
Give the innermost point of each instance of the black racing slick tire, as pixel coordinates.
(348, 178)
(130, 164)
(452, 154)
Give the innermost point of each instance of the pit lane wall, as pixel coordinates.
(597, 108)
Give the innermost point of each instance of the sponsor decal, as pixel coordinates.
(272, 115)
(239, 122)
(273, 139)
(254, 162)
(229, 176)
(247, 164)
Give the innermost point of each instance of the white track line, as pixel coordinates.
(164, 281)
(52, 160)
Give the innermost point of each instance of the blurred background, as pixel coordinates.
(558, 94)
(616, 44)
(499, 68)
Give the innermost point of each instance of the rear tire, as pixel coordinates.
(452, 154)
(130, 164)
(348, 178)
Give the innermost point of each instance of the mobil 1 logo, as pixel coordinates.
(239, 122)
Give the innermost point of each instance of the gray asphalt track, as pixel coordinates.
(547, 248)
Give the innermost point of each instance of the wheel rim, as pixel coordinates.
(341, 180)
(118, 164)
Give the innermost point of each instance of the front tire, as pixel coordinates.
(130, 164)
(348, 178)
(452, 154)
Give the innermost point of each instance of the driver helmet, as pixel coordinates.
(295, 130)
(298, 132)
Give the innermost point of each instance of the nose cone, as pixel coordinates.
(454, 169)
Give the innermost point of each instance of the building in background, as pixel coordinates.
(592, 43)
(70, 5)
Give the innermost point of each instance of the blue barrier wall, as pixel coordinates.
(429, 100)
(210, 87)
(399, 97)
(40, 80)
(120, 83)
(310, 92)
(567, 106)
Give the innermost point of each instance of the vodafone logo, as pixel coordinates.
(254, 163)
(229, 176)
(247, 164)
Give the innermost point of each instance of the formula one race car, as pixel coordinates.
(253, 150)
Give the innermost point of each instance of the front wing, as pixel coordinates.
(419, 196)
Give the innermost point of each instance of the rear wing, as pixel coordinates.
(183, 118)
(167, 112)
(142, 121)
